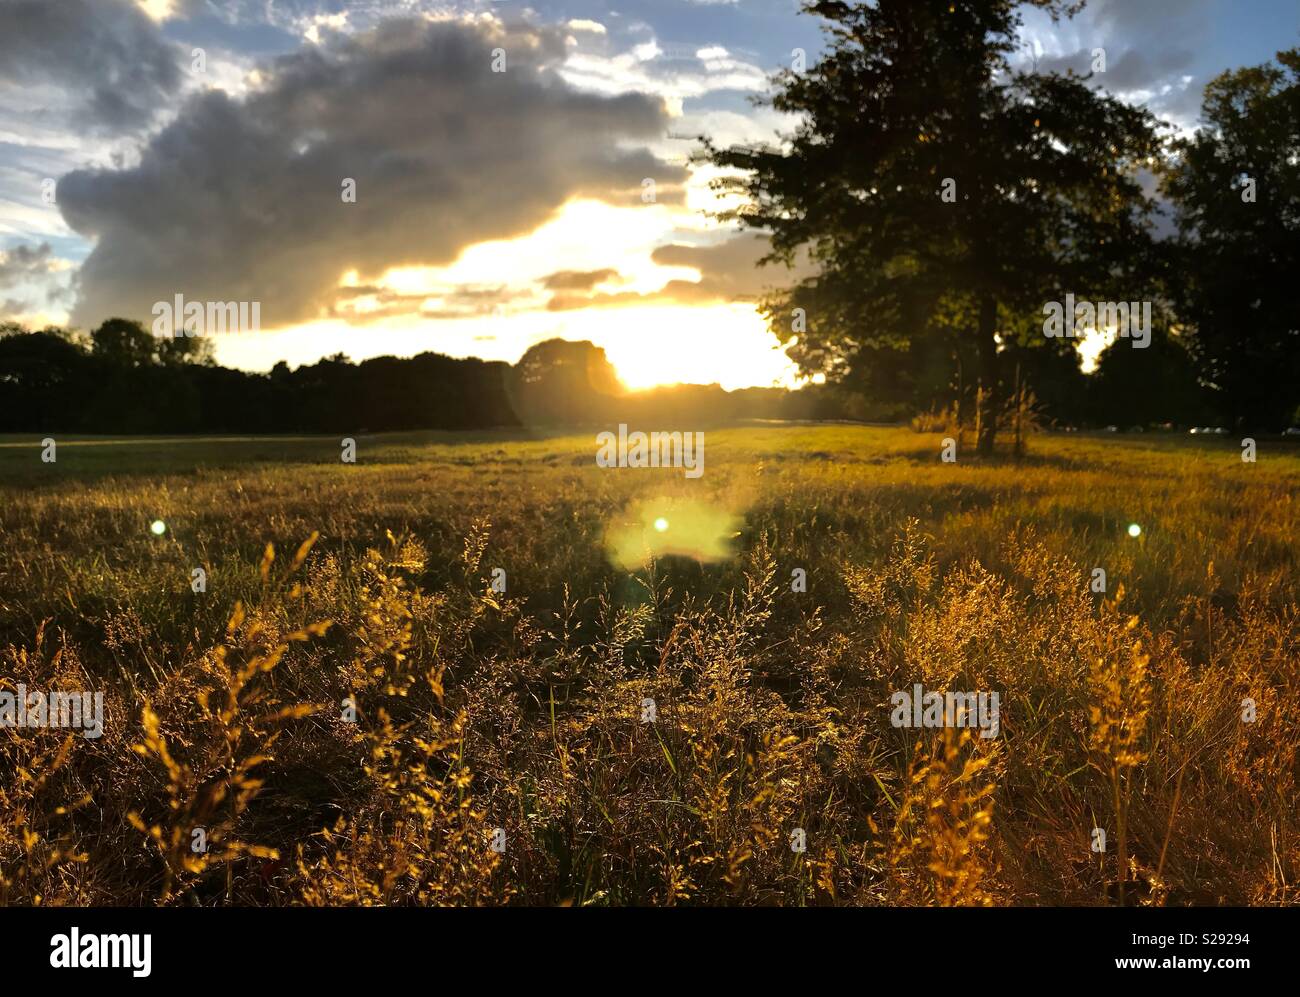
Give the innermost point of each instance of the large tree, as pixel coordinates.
(1236, 187)
(561, 382)
(939, 190)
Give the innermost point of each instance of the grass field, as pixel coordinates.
(366, 719)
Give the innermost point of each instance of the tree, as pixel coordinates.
(124, 343)
(1150, 386)
(558, 382)
(44, 380)
(186, 350)
(937, 189)
(1236, 187)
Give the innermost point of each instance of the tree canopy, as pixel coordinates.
(1235, 185)
(940, 192)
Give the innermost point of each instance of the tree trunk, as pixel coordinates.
(1018, 396)
(991, 396)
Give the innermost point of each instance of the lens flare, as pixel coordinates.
(1134, 530)
(699, 530)
(158, 527)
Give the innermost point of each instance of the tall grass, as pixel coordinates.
(370, 721)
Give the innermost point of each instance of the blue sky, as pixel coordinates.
(493, 211)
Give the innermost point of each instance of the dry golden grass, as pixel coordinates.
(480, 714)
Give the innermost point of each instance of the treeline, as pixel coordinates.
(121, 379)
(1155, 386)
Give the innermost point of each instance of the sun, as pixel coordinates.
(725, 344)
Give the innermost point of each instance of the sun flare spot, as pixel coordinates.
(700, 530)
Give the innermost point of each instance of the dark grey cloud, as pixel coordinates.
(1150, 45)
(25, 263)
(1132, 69)
(1148, 22)
(116, 66)
(240, 200)
(33, 267)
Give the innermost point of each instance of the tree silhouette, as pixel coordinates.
(1236, 186)
(558, 381)
(1143, 387)
(939, 190)
(124, 343)
(44, 376)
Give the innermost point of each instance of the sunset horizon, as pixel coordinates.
(617, 242)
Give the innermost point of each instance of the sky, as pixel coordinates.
(150, 148)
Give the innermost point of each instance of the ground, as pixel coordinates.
(647, 705)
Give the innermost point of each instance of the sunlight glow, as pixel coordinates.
(703, 531)
(726, 344)
(157, 10)
(651, 342)
(648, 344)
(584, 235)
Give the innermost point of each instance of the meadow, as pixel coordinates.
(479, 669)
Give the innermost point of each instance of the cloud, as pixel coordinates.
(240, 200)
(1149, 21)
(363, 304)
(26, 263)
(32, 270)
(1128, 70)
(577, 280)
(115, 70)
(678, 71)
(729, 271)
(1151, 52)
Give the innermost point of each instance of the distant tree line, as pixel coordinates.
(120, 379)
